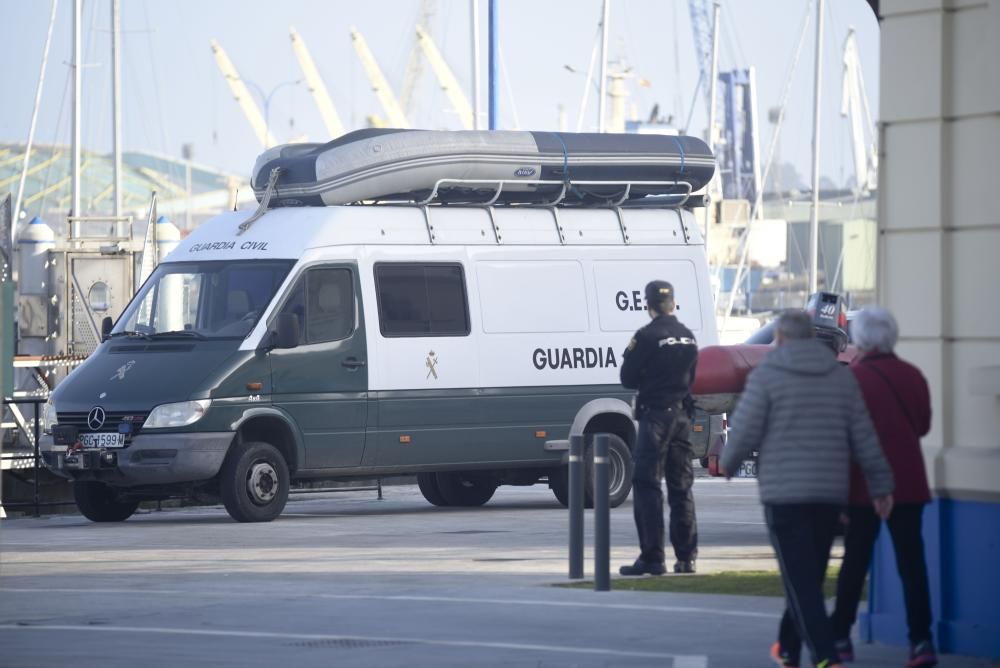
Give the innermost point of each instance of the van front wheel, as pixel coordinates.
(254, 482)
(100, 503)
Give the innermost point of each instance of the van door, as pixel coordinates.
(323, 383)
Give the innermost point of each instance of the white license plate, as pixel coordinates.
(103, 440)
(748, 469)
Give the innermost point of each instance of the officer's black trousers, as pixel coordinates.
(663, 449)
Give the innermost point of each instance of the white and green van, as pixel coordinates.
(462, 344)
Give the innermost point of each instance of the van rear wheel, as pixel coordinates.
(100, 503)
(254, 482)
(427, 482)
(620, 468)
(466, 488)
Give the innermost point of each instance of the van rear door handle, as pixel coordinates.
(352, 363)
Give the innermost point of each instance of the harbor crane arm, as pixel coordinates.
(331, 119)
(242, 96)
(701, 33)
(854, 104)
(384, 94)
(414, 64)
(445, 77)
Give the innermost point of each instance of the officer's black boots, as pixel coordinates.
(641, 567)
(684, 567)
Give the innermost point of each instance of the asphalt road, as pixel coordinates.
(345, 579)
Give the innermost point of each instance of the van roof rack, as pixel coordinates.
(578, 188)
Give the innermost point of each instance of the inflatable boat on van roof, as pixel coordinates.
(483, 168)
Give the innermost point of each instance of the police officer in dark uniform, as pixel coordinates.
(660, 363)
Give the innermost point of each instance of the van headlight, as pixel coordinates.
(179, 414)
(49, 416)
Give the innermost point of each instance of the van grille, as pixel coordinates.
(111, 421)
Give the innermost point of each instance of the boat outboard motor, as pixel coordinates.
(829, 316)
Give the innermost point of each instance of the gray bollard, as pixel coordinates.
(576, 507)
(602, 516)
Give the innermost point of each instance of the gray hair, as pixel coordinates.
(874, 328)
(796, 324)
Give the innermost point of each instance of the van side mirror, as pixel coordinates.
(285, 333)
(106, 325)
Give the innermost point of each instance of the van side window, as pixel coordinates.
(421, 299)
(323, 300)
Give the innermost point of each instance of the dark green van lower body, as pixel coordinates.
(461, 445)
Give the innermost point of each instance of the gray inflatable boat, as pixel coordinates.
(472, 166)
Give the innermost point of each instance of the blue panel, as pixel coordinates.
(962, 546)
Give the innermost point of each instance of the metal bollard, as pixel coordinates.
(575, 507)
(602, 516)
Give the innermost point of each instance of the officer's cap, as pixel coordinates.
(658, 291)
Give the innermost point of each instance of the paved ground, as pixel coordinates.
(346, 580)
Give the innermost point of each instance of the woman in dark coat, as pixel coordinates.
(898, 401)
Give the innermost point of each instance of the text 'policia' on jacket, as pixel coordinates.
(461, 343)
(660, 363)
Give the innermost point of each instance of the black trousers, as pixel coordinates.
(905, 524)
(802, 535)
(663, 449)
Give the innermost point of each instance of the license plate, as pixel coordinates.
(748, 469)
(103, 440)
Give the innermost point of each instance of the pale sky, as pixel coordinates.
(174, 93)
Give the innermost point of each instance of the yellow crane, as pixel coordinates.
(385, 96)
(242, 96)
(449, 84)
(331, 119)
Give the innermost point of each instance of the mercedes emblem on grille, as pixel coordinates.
(95, 418)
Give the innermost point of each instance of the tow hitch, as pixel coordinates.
(78, 458)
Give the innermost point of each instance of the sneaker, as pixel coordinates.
(844, 649)
(922, 655)
(684, 567)
(828, 663)
(641, 567)
(783, 658)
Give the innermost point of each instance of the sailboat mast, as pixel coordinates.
(476, 100)
(75, 149)
(34, 123)
(602, 95)
(713, 91)
(814, 219)
(116, 82)
(493, 64)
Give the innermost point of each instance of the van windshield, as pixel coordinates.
(212, 300)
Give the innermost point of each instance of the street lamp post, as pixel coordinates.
(265, 98)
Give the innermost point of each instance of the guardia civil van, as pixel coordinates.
(460, 342)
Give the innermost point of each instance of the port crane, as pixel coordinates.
(316, 87)
(242, 96)
(854, 105)
(446, 78)
(386, 98)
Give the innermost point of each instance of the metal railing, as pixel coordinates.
(35, 457)
(564, 189)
